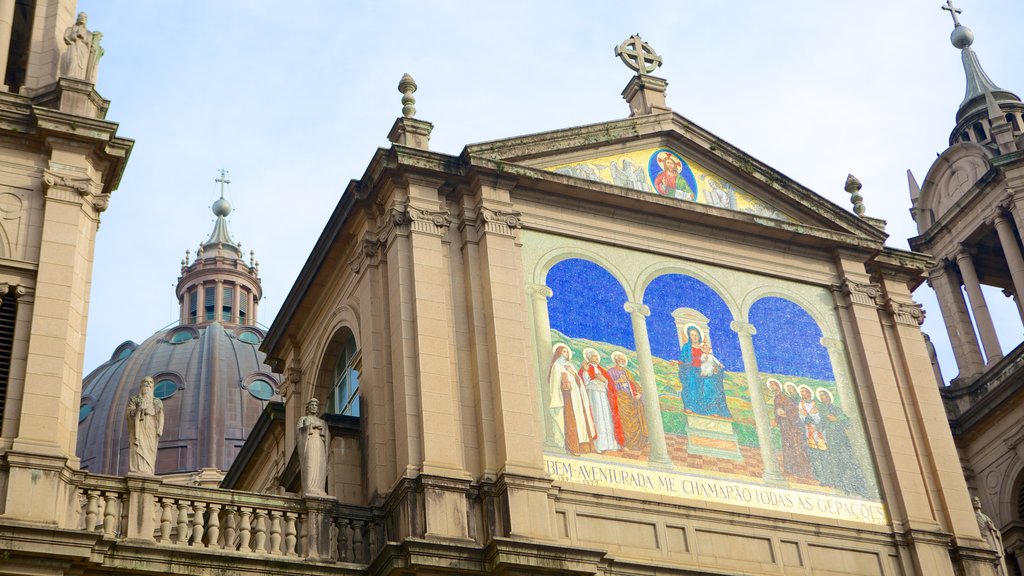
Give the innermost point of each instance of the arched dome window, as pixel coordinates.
(165, 388)
(249, 336)
(183, 334)
(83, 411)
(260, 386)
(123, 351)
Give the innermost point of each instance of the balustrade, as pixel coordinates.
(246, 523)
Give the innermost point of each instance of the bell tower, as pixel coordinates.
(63, 160)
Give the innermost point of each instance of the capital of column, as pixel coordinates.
(6, 289)
(742, 328)
(831, 344)
(636, 308)
(963, 253)
(539, 291)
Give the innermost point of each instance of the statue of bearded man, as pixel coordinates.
(145, 414)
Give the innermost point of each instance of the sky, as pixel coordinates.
(294, 98)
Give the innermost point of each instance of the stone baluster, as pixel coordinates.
(230, 530)
(92, 510)
(261, 532)
(372, 536)
(343, 540)
(357, 541)
(289, 533)
(183, 508)
(335, 535)
(110, 515)
(166, 520)
(275, 532)
(213, 527)
(244, 529)
(198, 523)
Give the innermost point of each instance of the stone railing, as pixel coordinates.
(145, 510)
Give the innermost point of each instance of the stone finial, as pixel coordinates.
(853, 187)
(645, 94)
(407, 86)
(409, 131)
(638, 55)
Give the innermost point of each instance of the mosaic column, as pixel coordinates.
(769, 456)
(638, 314)
(989, 340)
(539, 295)
(844, 385)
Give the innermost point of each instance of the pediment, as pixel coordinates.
(666, 155)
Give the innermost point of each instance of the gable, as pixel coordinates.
(667, 172)
(712, 172)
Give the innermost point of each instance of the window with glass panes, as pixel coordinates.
(344, 397)
(229, 299)
(209, 303)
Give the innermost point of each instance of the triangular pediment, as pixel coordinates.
(666, 155)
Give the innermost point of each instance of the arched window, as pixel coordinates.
(344, 394)
(979, 132)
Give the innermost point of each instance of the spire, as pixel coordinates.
(978, 82)
(220, 238)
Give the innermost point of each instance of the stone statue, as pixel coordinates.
(81, 61)
(145, 415)
(311, 438)
(991, 534)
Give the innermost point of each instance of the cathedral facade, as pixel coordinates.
(627, 347)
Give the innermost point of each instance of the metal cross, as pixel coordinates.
(953, 11)
(222, 179)
(638, 55)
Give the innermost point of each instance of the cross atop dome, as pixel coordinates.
(953, 11)
(638, 55)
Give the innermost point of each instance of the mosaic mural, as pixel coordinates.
(665, 172)
(679, 378)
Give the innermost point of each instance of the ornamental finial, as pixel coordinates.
(853, 187)
(407, 86)
(638, 55)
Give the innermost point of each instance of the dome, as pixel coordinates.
(213, 383)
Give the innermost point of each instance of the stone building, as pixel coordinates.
(627, 347)
(208, 370)
(970, 215)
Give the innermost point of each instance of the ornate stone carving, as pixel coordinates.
(420, 216)
(53, 180)
(145, 415)
(864, 293)
(368, 251)
(5, 289)
(498, 221)
(907, 313)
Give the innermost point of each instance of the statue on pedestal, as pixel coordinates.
(145, 414)
(81, 61)
(991, 535)
(312, 439)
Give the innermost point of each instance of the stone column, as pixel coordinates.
(966, 350)
(638, 314)
(218, 298)
(762, 421)
(539, 295)
(982, 317)
(236, 309)
(200, 304)
(1014, 260)
(6, 23)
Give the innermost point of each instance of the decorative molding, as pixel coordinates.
(81, 185)
(539, 291)
(5, 289)
(634, 308)
(743, 328)
(493, 221)
(863, 293)
(425, 220)
(906, 313)
(368, 252)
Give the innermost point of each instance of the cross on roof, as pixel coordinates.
(222, 179)
(638, 55)
(953, 11)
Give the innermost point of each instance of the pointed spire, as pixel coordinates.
(915, 189)
(978, 82)
(220, 238)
